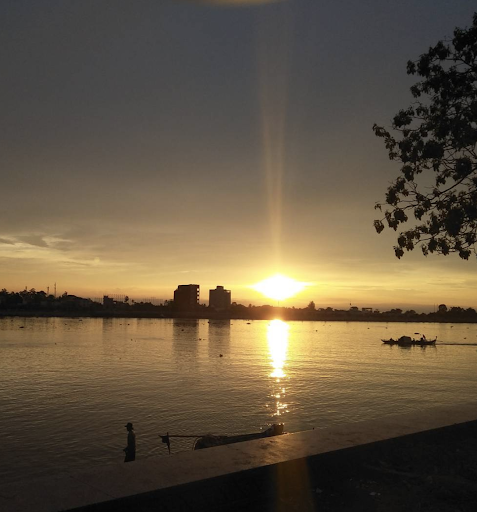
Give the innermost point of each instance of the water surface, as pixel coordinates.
(68, 386)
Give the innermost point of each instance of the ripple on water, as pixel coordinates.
(69, 387)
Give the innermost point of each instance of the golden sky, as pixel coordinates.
(163, 143)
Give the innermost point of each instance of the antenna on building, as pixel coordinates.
(47, 290)
(55, 290)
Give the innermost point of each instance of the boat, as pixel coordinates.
(210, 440)
(407, 341)
(423, 341)
(391, 341)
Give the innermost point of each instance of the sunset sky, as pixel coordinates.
(152, 143)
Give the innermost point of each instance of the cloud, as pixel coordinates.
(36, 240)
(50, 249)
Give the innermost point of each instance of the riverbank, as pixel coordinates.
(414, 462)
(434, 471)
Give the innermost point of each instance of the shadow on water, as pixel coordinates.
(185, 336)
(107, 325)
(219, 337)
(422, 348)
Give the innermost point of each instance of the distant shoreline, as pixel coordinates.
(190, 316)
(30, 303)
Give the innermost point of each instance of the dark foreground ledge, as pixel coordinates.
(411, 462)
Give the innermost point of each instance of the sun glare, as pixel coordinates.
(279, 287)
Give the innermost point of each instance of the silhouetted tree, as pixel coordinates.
(437, 134)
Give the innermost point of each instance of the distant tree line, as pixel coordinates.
(443, 314)
(33, 303)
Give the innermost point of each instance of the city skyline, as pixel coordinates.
(182, 142)
(263, 301)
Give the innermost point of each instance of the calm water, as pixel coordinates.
(68, 387)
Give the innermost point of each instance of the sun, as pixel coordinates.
(279, 287)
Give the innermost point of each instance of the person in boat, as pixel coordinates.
(130, 449)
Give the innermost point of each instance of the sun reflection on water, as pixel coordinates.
(277, 335)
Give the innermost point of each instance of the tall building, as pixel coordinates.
(186, 296)
(219, 298)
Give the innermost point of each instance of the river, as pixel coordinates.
(68, 386)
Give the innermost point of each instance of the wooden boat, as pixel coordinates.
(407, 341)
(208, 441)
(391, 341)
(425, 342)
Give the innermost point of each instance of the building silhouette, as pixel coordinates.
(186, 296)
(219, 298)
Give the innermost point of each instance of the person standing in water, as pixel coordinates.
(130, 449)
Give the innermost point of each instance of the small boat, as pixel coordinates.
(423, 341)
(407, 341)
(391, 341)
(210, 440)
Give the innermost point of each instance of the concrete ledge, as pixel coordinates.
(180, 478)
